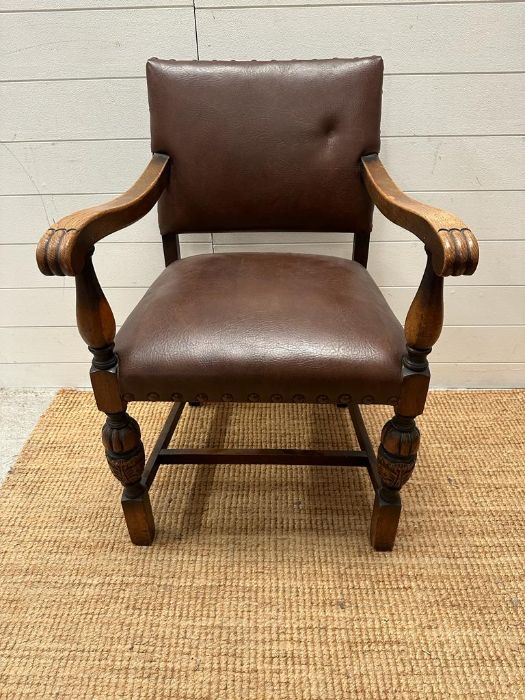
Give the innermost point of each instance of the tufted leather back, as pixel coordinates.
(265, 145)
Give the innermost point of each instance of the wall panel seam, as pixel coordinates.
(254, 6)
(125, 8)
(141, 76)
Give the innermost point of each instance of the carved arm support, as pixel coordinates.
(452, 249)
(66, 249)
(65, 246)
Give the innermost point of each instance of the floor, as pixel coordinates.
(19, 411)
(261, 582)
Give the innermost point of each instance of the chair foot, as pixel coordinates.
(139, 517)
(385, 519)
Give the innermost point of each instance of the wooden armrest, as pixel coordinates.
(64, 247)
(452, 245)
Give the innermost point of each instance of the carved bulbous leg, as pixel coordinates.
(397, 453)
(124, 449)
(125, 456)
(396, 459)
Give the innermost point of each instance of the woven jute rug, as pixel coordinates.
(261, 583)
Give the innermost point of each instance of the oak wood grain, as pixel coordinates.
(64, 247)
(453, 246)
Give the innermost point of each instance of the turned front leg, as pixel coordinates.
(125, 456)
(396, 459)
(400, 437)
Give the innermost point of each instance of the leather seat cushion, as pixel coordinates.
(262, 327)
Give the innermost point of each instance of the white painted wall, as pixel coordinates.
(74, 130)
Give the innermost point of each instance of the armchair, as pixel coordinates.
(289, 145)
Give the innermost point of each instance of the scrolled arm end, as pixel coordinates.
(56, 253)
(458, 253)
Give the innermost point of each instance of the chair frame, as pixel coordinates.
(67, 247)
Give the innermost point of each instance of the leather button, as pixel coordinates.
(329, 125)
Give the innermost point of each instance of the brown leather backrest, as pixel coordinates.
(265, 145)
